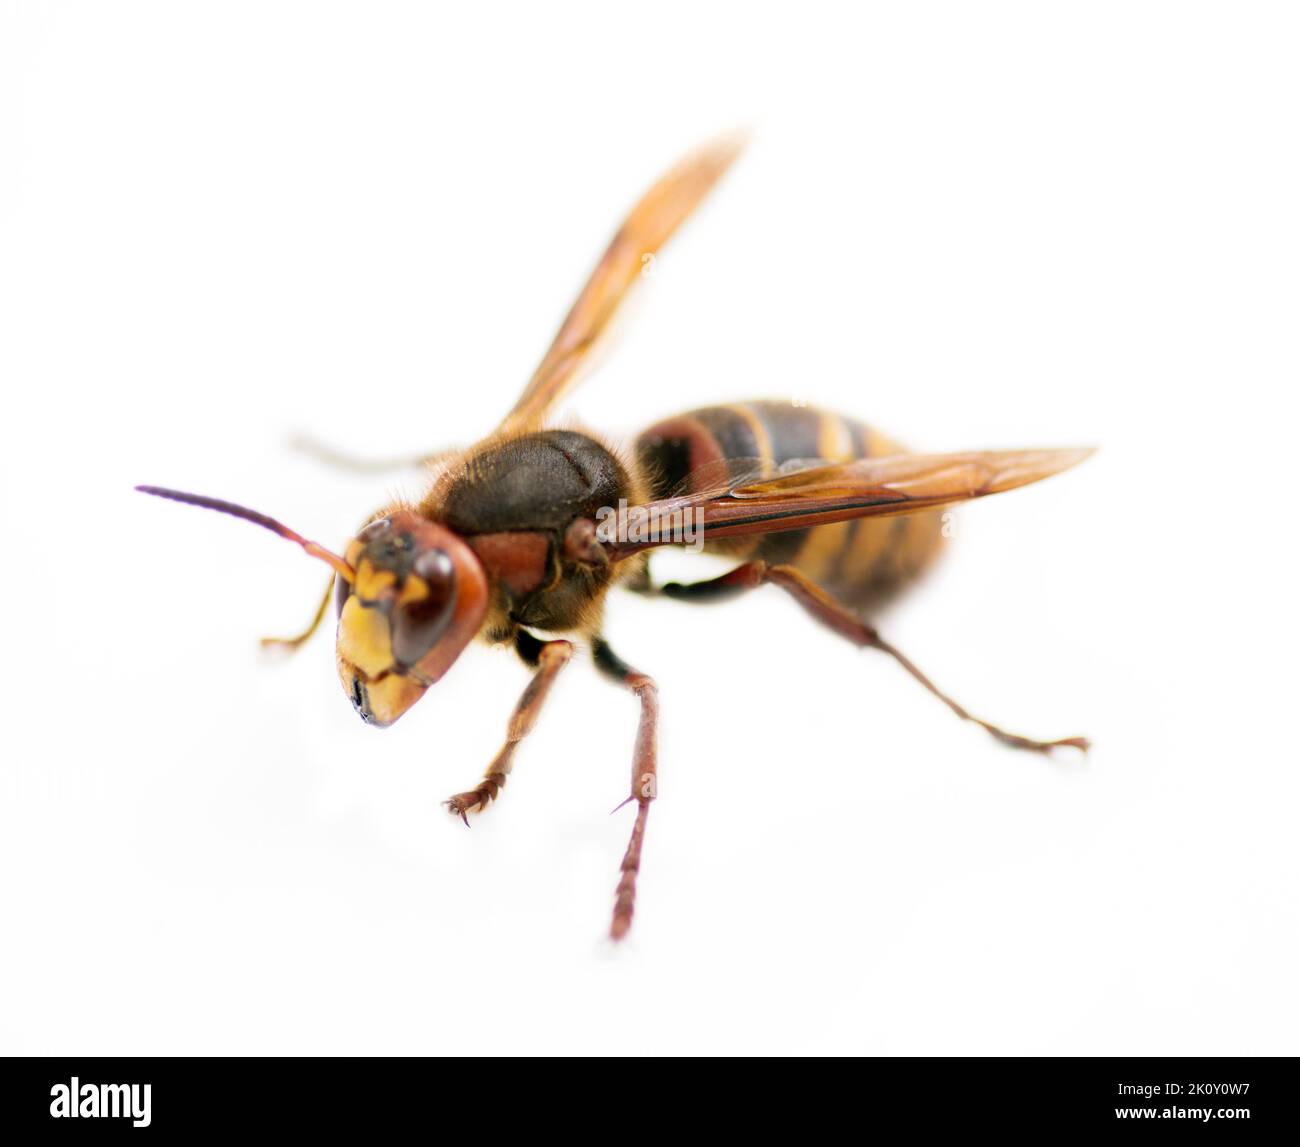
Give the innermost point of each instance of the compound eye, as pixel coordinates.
(342, 591)
(374, 530)
(434, 566)
(418, 625)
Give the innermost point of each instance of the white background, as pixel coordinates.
(976, 225)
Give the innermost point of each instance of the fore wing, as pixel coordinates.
(652, 221)
(815, 494)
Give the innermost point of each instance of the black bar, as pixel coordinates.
(378, 1098)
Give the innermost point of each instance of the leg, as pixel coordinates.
(645, 777)
(549, 657)
(328, 456)
(293, 644)
(825, 609)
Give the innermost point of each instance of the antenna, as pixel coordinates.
(341, 567)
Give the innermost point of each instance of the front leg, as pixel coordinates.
(293, 644)
(549, 657)
(328, 456)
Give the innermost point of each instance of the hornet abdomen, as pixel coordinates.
(861, 562)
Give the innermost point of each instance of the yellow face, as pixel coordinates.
(418, 597)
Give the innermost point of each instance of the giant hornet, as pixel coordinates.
(517, 541)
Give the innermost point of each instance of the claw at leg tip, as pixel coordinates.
(454, 807)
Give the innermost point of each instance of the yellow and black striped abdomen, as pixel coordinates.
(861, 562)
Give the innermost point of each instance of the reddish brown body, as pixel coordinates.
(517, 539)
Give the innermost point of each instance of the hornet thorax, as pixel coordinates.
(523, 504)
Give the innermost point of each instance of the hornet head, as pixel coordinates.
(417, 598)
(410, 594)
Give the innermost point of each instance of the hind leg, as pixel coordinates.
(826, 610)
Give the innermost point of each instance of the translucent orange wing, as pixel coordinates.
(652, 221)
(814, 494)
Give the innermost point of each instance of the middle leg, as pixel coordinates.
(645, 777)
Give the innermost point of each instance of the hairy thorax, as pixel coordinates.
(515, 501)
